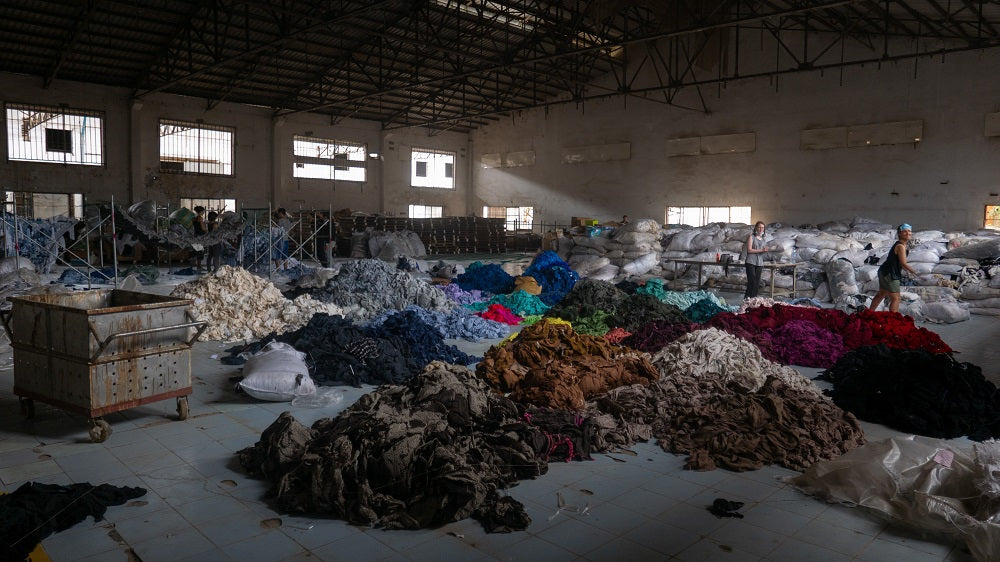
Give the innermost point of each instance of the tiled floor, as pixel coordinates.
(643, 506)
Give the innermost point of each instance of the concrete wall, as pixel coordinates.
(95, 182)
(398, 194)
(263, 155)
(943, 181)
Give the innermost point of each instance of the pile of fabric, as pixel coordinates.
(721, 402)
(221, 300)
(364, 289)
(916, 391)
(458, 323)
(409, 456)
(550, 365)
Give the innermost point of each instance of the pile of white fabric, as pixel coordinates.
(629, 250)
(238, 305)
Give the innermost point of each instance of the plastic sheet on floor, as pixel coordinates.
(926, 483)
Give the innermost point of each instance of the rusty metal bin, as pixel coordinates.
(101, 351)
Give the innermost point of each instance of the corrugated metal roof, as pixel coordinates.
(442, 63)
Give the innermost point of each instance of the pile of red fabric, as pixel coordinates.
(500, 313)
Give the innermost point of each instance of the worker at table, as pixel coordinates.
(755, 259)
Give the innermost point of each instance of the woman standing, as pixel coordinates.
(755, 247)
(891, 270)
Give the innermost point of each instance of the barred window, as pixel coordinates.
(515, 218)
(328, 159)
(701, 216)
(425, 211)
(992, 217)
(196, 148)
(432, 168)
(218, 205)
(58, 135)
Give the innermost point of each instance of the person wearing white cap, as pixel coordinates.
(891, 270)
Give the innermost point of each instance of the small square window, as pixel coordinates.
(58, 140)
(421, 169)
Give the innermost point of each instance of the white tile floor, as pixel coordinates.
(202, 506)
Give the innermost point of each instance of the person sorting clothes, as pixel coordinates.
(755, 259)
(891, 271)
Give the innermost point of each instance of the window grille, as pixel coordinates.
(55, 135)
(196, 148)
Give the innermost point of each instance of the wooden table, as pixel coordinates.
(766, 265)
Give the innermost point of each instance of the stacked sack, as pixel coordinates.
(841, 260)
(629, 250)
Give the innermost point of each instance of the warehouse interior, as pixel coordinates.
(564, 118)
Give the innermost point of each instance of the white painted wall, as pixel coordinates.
(943, 182)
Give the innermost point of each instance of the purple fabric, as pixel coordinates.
(805, 343)
(460, 296)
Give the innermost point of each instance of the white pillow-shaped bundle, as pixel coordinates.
(278, 373)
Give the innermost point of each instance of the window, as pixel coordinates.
(515, 218)
(700, 216)
(992, 217)
(432, 168)
(55, 134)
(217, 205)
(196, 148)
(426, 211)
(328, 159)
(43, 205)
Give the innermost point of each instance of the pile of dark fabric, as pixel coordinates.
(341, 353)
(425, 342)
(703, 310)
(435, 450)
(488, 278)
(35, 511)
(548, 364)
(587, 297)
(654, 336)
(639, 309)
(918, 392)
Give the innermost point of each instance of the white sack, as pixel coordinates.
(641, 265)
(945, 312)
(841, 277)
(277, 373)
(585, 265)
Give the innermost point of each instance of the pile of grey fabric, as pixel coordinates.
(366, 288)
(437, 449)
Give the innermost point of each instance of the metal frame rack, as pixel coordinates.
(52, 248)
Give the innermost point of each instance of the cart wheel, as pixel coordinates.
(182, 408)
(28, 408)
(100, 431)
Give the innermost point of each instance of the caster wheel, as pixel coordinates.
(28, 408)
(182, 408)
(100, 431)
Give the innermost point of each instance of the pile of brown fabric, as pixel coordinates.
(428, 452)
(550, 365)
(720, 401)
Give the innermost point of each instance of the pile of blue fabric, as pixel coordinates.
(489, 278)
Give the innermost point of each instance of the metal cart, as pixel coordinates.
(101, 351)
